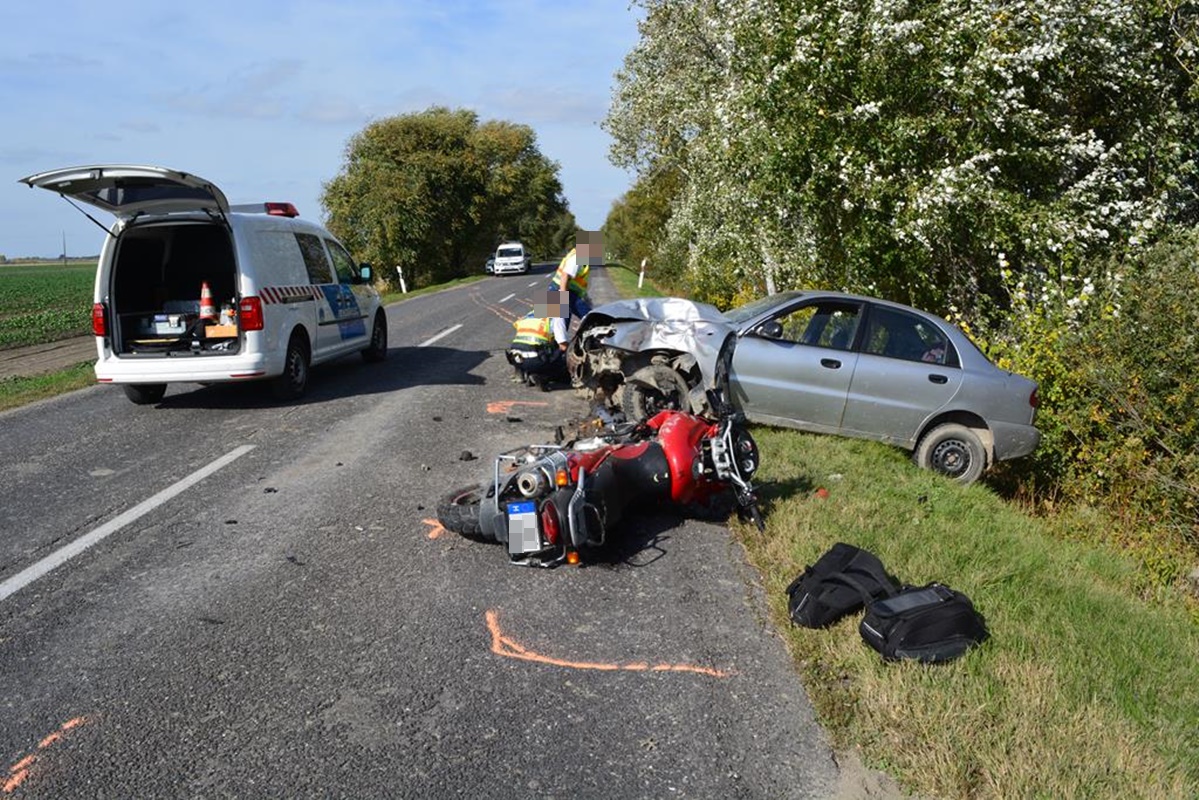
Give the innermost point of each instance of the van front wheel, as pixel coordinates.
(377, 350)
(145, 394)
(294, 380)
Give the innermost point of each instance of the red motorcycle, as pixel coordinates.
(553, 503)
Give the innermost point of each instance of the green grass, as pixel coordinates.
(1085, 688)
(625, 281)
(391, 294)
(16, 392)
(45, 302)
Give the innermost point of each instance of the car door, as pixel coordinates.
(907, 371)
(795, 367)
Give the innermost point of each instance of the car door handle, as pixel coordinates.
(831, 363)
(935, 378)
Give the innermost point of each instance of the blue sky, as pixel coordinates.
(261, 98)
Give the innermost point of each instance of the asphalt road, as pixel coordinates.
(292, 624)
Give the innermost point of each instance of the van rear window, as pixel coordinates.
(316, 261)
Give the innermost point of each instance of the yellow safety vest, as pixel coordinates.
(533, 331)
(577, 284)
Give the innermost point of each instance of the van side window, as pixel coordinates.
(315, 259)
(347, 270)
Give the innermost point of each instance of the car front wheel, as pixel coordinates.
(953, 450)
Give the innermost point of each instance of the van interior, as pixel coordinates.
(155, 291)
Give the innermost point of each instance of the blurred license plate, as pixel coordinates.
(523, 536)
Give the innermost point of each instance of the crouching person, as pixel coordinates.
(538, 351)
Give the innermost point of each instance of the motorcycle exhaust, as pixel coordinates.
(531, 484)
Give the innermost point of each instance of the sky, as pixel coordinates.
(262, 98)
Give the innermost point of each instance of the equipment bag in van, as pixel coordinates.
(926, 623)
(839, 583)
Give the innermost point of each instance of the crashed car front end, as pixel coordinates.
(641, 341)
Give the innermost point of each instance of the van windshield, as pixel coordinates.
(509, 252)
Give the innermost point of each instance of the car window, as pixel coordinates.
(897, 334)
(343, 263)
(315, 260)
(829, 324)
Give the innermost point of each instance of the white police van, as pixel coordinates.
(191, 289)
(512, 257)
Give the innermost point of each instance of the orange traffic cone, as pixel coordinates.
(207, 306)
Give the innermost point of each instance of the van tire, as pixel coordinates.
(145, 394)
(294, 380)
(376, 351)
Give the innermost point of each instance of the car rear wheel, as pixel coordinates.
(294, 380)
(652, 389)
(145, 394)
(953, 450)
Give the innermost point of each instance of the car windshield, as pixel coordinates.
(509, 252)
(752, 309)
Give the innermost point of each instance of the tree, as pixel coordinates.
(911, 149)
(636, 223)
(433, 192)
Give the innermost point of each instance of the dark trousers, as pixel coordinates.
(543, 361)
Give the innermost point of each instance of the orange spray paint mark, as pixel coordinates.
(504, 406)
(19, 771)
(502, 645)
(436, 528)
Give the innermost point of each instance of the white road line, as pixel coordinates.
(509, 297)
(67, 552)
(441, 335)
(534, 283)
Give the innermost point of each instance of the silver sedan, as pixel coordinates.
(825, 362)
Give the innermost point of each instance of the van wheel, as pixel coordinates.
(145, 394)
(294, 380)
(953, 450)
(376, 351)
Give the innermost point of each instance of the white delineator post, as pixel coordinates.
(403, 286)
(641, 277)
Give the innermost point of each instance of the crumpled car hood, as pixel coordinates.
(668, 323)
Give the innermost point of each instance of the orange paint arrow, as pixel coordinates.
(19, 771)
(504, 406)
(437, 528)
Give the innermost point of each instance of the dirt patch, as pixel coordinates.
(38, 359)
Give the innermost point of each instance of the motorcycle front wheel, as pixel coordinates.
(459, 511)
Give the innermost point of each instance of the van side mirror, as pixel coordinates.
(364, 270)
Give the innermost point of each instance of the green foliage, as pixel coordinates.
(45, 302)
(1116, 356)
(434, 192)
(906, 149)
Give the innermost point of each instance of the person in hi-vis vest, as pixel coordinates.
(538, 351)
(575, 268)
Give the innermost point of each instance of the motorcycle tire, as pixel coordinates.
(459, 512)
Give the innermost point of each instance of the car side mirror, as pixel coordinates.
(771, 329)
(364, 270)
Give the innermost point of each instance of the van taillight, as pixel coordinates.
(99, 327)
(249, 311)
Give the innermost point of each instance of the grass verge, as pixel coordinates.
(20, 391)
(1085, 688)
(625, 281)
(390, 295)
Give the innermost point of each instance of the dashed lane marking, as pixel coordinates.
(439, 336)
(505, 646)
